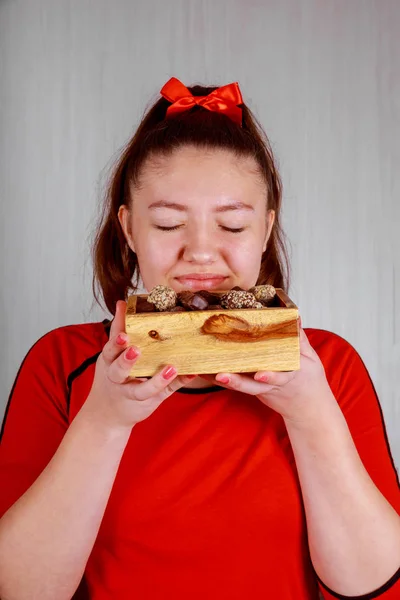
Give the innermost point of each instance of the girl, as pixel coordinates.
(265, 485)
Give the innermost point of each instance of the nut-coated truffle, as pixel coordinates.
(163, 297)
(238, 299)
(263, 293)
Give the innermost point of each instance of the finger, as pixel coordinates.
(161, 386)
(159, 398)
(305, 347)
(114, 347)
(242, 383)
(274, 378)
(119, 368)
(261, 383)
(118, 322)
(172, 387)
(163, 381)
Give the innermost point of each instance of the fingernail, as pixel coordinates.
(190, 376)
(263, 378)
(222, 379)
(169, 372)
(121, 339)
(131, 353)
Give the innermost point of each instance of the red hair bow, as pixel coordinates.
(224, 100)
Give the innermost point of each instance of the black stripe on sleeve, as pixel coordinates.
(384, 588)
(383, 424)
(396, 577)
(13, 387)
(71, 377)
(389, 451)
(78, 371)
(83, 366)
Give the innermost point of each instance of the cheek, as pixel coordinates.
(155, 260)
(244, 257)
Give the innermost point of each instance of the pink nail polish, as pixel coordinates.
(223, 379)
(169, 372)
(131, 353)
(262, 378)
(121, 340)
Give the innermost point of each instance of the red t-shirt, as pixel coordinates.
(206, 502)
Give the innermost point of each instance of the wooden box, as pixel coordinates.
(215, 341)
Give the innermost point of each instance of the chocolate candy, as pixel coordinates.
(209, 296)
(143, 306)
(263, 293)
(163, 297)
(238, 299)
(192, 301)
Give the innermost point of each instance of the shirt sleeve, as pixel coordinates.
(389, 591)
(35, 420)
(356, 395)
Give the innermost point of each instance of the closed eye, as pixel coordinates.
(167, 228)
(238, 230)
(231, 230)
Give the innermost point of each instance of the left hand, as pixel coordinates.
(297, 395)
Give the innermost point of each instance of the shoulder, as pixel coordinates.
(330, 346)
(40, 387)
(345, 370)
(63, 349)
(88, 337)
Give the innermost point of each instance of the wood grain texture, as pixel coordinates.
(212, 341)
(322, 77)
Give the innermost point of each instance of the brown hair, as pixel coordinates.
(115, 265)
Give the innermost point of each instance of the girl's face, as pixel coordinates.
(198, 220)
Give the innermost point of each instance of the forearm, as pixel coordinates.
(353, 532)
(47, 535)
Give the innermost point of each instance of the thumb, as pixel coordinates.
(118, 323)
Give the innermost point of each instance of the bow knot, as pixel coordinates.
(224, 99)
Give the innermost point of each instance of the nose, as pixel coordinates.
(200, 246)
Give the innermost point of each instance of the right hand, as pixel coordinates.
(117, 399)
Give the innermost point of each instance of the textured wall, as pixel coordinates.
(324, 79)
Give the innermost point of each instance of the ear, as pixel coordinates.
(124, 218)
(270, 224)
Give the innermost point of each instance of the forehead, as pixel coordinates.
(201, 170)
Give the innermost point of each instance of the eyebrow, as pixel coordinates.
(184, 207)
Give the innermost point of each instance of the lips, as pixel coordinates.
(201, 281)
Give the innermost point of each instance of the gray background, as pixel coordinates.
(322, 76)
